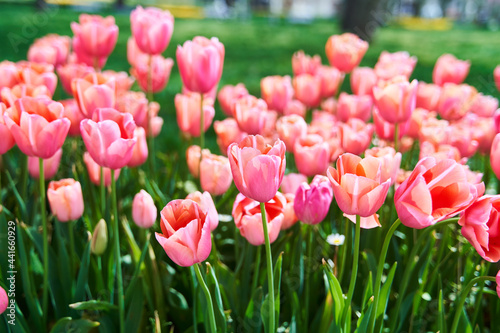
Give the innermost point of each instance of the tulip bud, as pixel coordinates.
(144, 211)
(99, 238)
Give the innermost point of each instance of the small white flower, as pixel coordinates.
(335, 239)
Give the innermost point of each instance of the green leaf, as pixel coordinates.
(264, 311)
(83, 275)
(336, 291)
(177, 300)
(441, 319)
(213, 286)
(364, 319)
(93, 305)
(253, 321)
(464, 325)
(135, 310)
(385, 293)
(68, 324)
(368, 290)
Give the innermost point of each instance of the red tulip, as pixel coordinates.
(65, 199)
(37, 126)
(257, 167)
(248, 217)
(152, 29)
(455, 100)
(185, 235)
(391, 65)
(356, 136)
(200, 63)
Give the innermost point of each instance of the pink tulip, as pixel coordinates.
(461, 136)
(449, 69)
(160, 73)
(290, 129)
(193, 156)
(353, 106)
(289, 218)
(72, 112)
(215, 175)
(248, 218)
(418, 116)
(65, 199)
(9, 74)
(4, 300)
(68, 72)
(95, 36)
(248, 112)
(396, 101)
(305, 64)
(345, 51)
(435, 191)
(188, 113)
(434, 130)
(109, 138)
(356, 136)
(307, 89)
(295, 107)
(144, 211)
(363, 79)
(480, 224)
(483, 131)
(329, 105)
(51, 49)
(496, 119)
(330, 79)
(312, 202)
(227, 131)
(228, 94)
(497, 281)
(291, 182)
(200, 63)
(10, 95)
(384, 129)
(37, 126)
(185, 233)
(455, 100)
(390, 161)
(357, 186)
(156, 122)
(7, 141)
(276, 91)
(391, 65)
(496, 76)
(207, 206)
(123, 82)
(428, 95)
(50, 165)
(140, 151)
(94, 91)
(495, 156)
(484, 106)
(152, 29)
(312, 155)
(135, 103)
(257, 167)
(94, 171)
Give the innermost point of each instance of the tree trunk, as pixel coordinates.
(363, 17)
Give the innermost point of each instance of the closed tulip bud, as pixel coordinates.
(185, 235)
(307, 89)
(248, 218)
(207, 206)
(312, 202)
(200, 63)
(215, 175)
(144, 210)
(50, 165)
(449, 69)
(291, 182)
(99, 241)
(353, 106)
(257, 167)
(4, 300)
(363, 79)
(94, 171)
(152, 29)
(37, 126)
(435, 191)
(310, 148)
(65, 199)
(228, 95)
(345, 51)
(305, 64)
(188, 113)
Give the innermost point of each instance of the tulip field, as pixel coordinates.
(160, 174)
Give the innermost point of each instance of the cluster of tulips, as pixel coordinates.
(302, 136)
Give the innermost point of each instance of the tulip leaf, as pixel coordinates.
(83, 275)
(135, 310)
(464, 325)
(364, 319)
(368, 290)
(93, 305)
(336, 291)
(229, 287)
(19, 199)
(213, 286)
(68, 324)
(177, 300)
(253, 321)
(383, 300)
(441, 319)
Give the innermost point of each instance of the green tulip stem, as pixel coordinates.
(206, 291)
(103, 194)
(202, 133)
(354, 273)
(150, 136)
(256, 270)
(396, 136)
(270, 279)
(308, 232)
(121, 305)
(45, 295)
(463, 298)
(380, 269)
